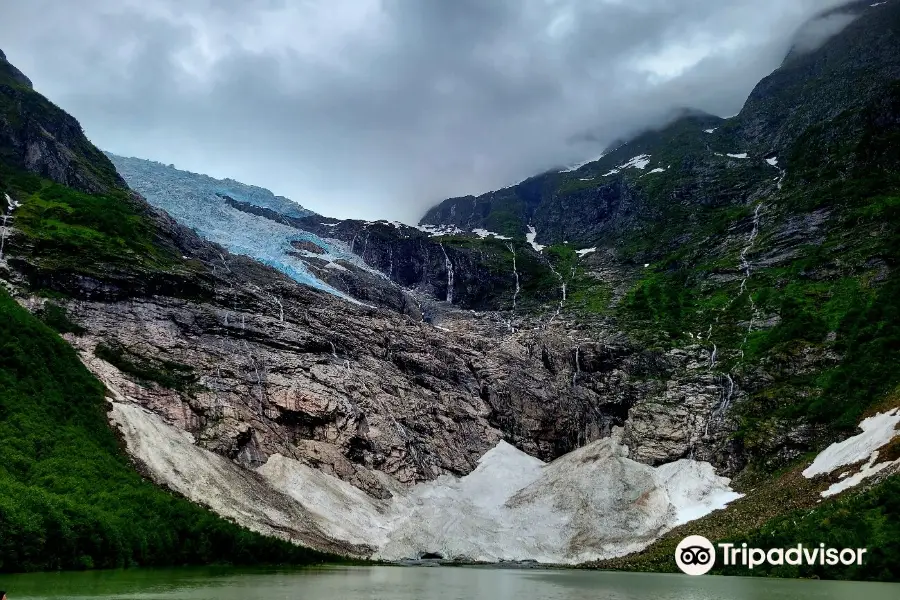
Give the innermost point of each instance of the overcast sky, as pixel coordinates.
(381, 108)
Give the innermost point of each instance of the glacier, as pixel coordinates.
(201, 203)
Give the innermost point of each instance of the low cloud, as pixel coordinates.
(813, 35)
(381, 108)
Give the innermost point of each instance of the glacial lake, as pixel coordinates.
(423, 583)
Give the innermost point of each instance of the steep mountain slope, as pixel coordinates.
(209, 207)
(228, 379)
(70, 497)
(386, 264)
(618, 197)
(768, 240)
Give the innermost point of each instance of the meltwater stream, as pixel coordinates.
(420, 583)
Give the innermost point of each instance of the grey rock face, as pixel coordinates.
(854, 67)
(414, 260)
(267, 366)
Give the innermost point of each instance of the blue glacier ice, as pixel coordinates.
(195, 201)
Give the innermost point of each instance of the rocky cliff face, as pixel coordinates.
(740, 234)
(253, 364)
(266, 367)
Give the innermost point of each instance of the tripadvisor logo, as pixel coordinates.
(696, 555)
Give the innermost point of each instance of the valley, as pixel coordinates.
(696, 332)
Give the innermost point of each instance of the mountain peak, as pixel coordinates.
(10, 71)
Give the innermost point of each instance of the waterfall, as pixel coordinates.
(724, 403)
(11, 205)
(745, 264)
(449, 265)
(749, 326)
(562, 285)
(577, 365)
(747, 268)
(515, 274)
(3, 234)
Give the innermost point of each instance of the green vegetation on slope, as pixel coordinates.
(69, 498)
(824, 283)
(70, 230)
(870, 520)
(785, 511)
(168, 374)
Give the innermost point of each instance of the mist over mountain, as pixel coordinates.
(371, 109)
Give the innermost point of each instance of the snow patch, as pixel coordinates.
(585, 251)
(741, 155)
(710, 130)
(438, 230)
(530, 237)
(656, 170)
(868, 469)
(590, 504)
(338, 507)
(228, 489)
(694, 489)
(877, 431)
(483, 233)
(772, 161)
(638, 162)
(577, 166)
(877, 4)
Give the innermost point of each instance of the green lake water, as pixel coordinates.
(423, 583)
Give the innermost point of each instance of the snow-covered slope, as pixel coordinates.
(201, 203)
(877, 431)
(590, 504)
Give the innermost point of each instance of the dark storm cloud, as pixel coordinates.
(379, 108)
